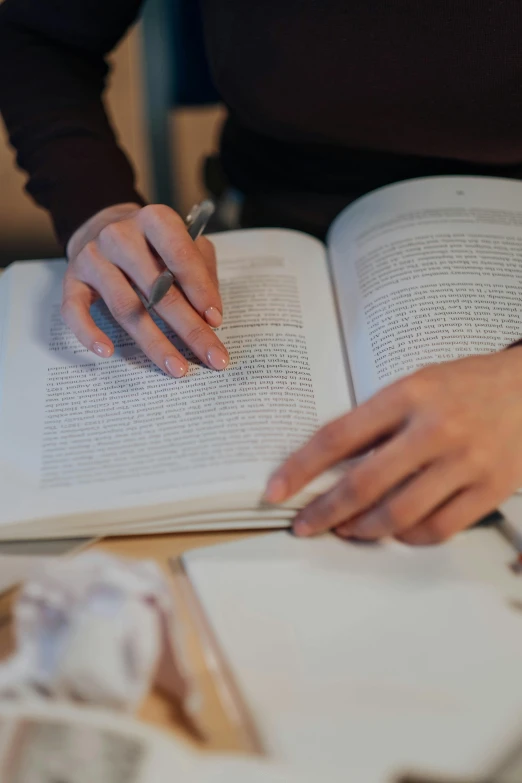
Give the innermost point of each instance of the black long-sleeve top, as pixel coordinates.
(327, 98)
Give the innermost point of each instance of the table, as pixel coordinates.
(217, 730)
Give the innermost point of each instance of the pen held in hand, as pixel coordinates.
(196, 222)
(160, 287)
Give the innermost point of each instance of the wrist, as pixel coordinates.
(92, 227)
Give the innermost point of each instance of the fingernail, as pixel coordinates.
(213, 316)
(276, 490)
(175, 366)
(102, 349)
(217, 357)
(301, 527)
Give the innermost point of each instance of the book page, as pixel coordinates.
(395, 657)
(427, 271)
(81, 434)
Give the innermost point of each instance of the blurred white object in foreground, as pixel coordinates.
(50, 741)
(98, 629)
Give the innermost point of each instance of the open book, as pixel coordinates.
(414, 273)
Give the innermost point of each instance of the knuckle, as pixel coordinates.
(478, 460)
(117, 235)
(414, 389)
(198, 334)
(154, 348)
(151, 212)
(123, 307)
(89, 251)
(411, 391)
(448, 429)
(111, 234)
(159, 213)
(86, 257)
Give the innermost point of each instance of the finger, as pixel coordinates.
(192, 329)
(128, 310)
(143, 268)
(461, 511)
(405, 507)
(208, 251)
(366, 482)
(341, 438)
(77, 300)
(167, 233)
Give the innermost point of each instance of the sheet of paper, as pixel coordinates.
(358, 661)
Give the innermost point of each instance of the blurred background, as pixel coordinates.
(191, 134)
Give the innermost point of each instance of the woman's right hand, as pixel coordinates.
(128, 245)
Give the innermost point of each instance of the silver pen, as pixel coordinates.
(196, 222)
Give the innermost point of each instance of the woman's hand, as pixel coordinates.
(446, 449)
(127, 245)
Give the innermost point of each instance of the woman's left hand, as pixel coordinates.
(444, 449)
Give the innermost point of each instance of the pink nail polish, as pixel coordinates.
(217, 358)
(175, 367)
(102, 349)
(213, 316)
